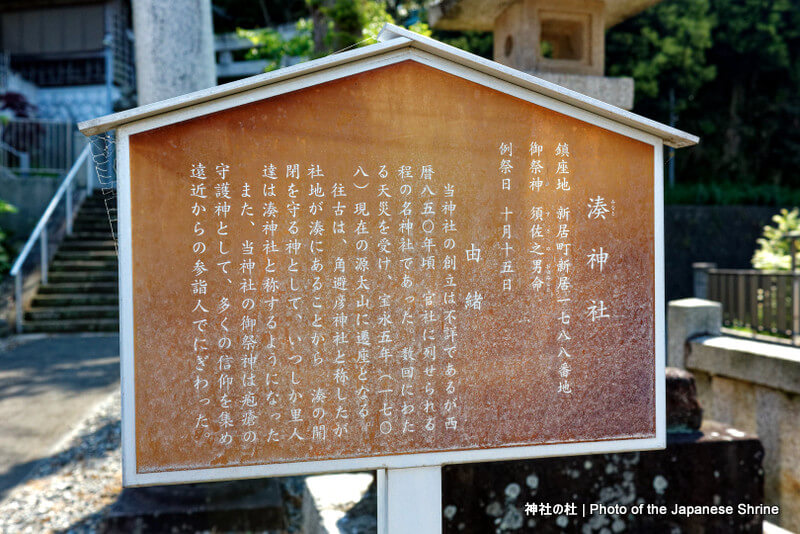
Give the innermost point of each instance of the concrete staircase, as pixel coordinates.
(81, 294)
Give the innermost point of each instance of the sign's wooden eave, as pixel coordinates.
(393, 38)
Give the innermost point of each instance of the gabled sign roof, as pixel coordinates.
(395, 44)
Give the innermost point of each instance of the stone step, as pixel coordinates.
(75, 299)
(66, 288)
(85, 265)
(74, 325)
(95, 208)
(100, 225)
(93, 216)
(60, 277)
(99, 204)
(91, 236)
(85, 244)
(96, 214)
(72, 312)
(99, 208)
(84, 222)
(85, 255)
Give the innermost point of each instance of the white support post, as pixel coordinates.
(410, 500)
(18, 299)
(90, 173)
(68, 209)
(383, 527)
(43, 249)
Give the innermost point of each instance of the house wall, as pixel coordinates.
(55, 30)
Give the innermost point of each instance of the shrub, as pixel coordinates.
(774, 252)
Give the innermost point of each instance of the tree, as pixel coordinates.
(774, 250)
(734, 67)
(664, 50)
(332, 26)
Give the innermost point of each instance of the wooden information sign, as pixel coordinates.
(396, 257)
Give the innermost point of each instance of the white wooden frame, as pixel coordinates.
(399, 49)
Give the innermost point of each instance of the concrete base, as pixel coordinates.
(686, 319)
(756, 387)
(244, 505)
(716, 466)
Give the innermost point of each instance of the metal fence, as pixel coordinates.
(758, 302)
(5, 63)
(49, 229)
(38, 146)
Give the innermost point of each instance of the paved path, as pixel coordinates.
(47, 385)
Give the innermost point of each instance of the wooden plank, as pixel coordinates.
(781, 323)
(713, 280)
(741, 296)
(753, 301)
(767, 309)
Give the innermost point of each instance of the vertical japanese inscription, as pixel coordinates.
(334, 289)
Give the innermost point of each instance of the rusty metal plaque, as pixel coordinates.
(397, 267)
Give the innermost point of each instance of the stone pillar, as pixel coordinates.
(174, 48)
(687, 318)
(700, 275)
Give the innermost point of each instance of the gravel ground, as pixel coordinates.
(68, 491)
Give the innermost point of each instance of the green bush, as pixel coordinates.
(5, 253)
(728, 193)
(774, 252)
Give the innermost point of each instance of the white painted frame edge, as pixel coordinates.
(394, 38)
(127, 369)
(132, 478)
(659, 300)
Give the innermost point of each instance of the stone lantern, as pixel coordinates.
(561, 41)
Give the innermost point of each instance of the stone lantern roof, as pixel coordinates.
(562, 41)
(479, 15)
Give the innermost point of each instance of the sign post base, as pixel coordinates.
(410, 500)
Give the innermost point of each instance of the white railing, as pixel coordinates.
(40, 233)
(37, 145)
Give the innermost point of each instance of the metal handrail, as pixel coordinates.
(40, 231)
(24, 157)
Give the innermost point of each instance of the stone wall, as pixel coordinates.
(752, 385)
(716, 465)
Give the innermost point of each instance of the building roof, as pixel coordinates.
(479, 15)
(394, 44)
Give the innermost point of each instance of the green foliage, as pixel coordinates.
(358, 22)
(5, 253)
(270, 45)
(346, 23)
(728, 193)
(480, 43)
(774, 252)
(734, 69)
(664, 49)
